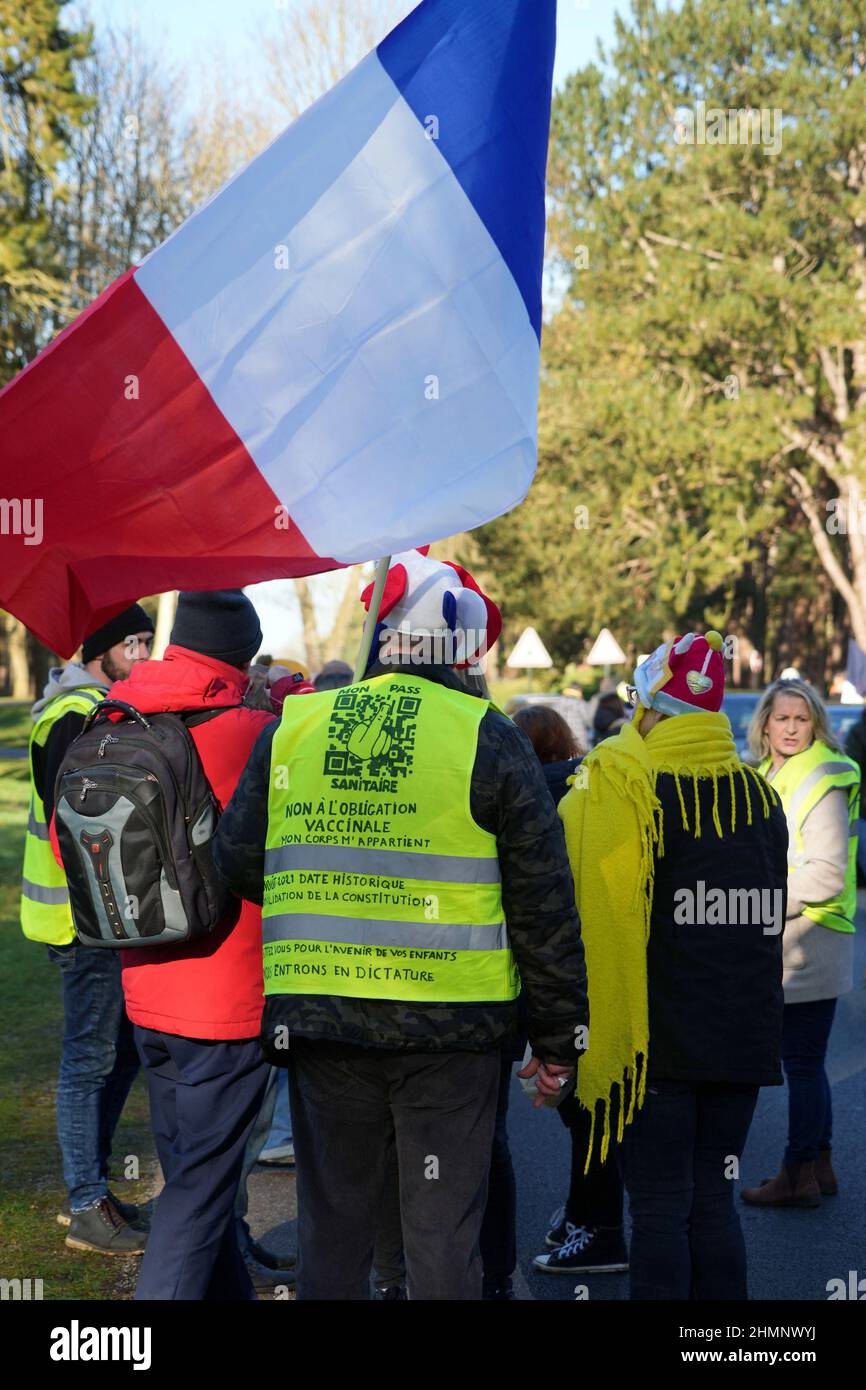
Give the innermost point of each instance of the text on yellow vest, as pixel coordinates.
(378, 882)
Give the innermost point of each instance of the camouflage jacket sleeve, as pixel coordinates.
(510, 798)
(239, 844)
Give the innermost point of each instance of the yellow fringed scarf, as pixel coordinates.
(613, 833)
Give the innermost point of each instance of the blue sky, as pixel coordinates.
(183, 28)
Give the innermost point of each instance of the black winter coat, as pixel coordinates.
(508, 798)
(855, 747)
(556, 776)
(715, 991)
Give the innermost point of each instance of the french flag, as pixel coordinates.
(335, 359)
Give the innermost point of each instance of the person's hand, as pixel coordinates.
(550, 1079)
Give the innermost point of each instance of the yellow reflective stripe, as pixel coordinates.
(365, 931)
(45, 909)
(838, 774)
(378, 881)
(68, 701)
(37, 827)
(802, 782)
(38, 893)
(401, 900)
(39, 862)
(433, 868)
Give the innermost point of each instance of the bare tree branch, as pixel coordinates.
(686, 246)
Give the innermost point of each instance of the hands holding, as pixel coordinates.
(550, 1079)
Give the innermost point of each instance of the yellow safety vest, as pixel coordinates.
(378, 882)
(801, 782)
(45, 911)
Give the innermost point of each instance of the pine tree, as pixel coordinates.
(704, 378)
(39, 106)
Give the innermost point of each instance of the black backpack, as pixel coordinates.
(135, 818)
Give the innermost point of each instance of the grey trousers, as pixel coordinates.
(348, 1106)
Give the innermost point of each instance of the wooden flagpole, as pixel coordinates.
(372, 617)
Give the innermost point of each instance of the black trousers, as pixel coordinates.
(348, 1106)
(499, 1227)
(498, 1237)
(204, 1099)
(594, 1198)
(677, 1163)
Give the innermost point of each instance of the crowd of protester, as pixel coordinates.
(648, 931)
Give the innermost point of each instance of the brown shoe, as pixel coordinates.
(794, 1186)
(824, 1175)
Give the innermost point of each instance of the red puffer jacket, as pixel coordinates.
(213, 987)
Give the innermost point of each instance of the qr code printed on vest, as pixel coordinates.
(371, 732)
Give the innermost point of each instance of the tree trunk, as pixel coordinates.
(40, 661)
(346, 631)
(312, 645)
(164, 622)
(20, 685)
(853, 588)
(856, 514)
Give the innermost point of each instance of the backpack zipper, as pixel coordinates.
(140, 775)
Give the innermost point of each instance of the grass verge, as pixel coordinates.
(31, 1026)
(15, 723)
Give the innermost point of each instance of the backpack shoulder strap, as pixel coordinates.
(194, 717)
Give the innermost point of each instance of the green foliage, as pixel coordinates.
(704, 379)
(31, 1023)
(39, 107)
(15, 724)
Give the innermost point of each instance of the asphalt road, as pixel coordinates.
(792, 1254)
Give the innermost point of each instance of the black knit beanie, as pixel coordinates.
(221, 623)
(126, 624)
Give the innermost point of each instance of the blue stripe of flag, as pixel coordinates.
(484, 69)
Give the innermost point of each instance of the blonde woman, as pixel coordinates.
(820, 791)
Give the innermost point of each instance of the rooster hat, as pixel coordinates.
(683, 676)
(440, 600)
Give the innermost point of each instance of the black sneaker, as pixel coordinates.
(137, 1216)
(561, 1230)
(389, 1293)
(589, 1251)
(102, 1229)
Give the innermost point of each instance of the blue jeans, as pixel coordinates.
(805, 1034)
(281, 1127)
(97, 1067)
(686, 1237)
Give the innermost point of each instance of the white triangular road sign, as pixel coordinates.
(606, 651)
(529, 652)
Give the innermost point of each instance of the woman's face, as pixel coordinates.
(789, 725)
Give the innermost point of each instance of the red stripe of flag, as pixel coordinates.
(200, 512)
